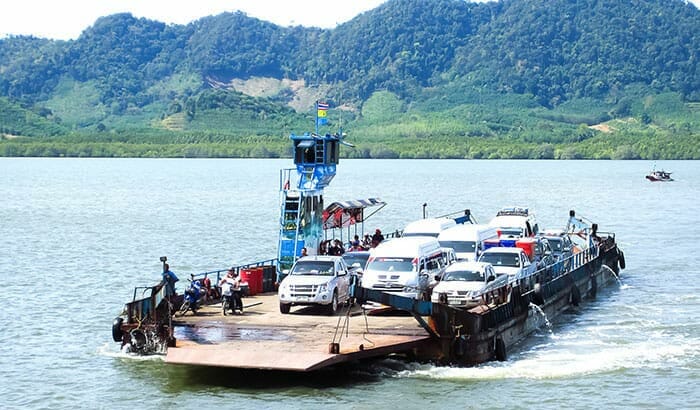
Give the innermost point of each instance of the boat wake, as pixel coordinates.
(566, 357)
(108, 350)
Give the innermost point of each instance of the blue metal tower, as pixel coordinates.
(301, 192)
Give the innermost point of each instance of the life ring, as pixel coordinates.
(117, 329)
(621, 258)
(459, 346)
(537, 297)
(575, 295)
(500, 348)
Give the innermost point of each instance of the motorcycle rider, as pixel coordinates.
(231, 289)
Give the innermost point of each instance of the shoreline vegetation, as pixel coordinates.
(508, 79)
(599, 147)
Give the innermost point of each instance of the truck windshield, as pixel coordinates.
(464, 276)
(555, 244)
(356, 257)
(501, 259)
(459, 246)
(320, 268)
(391, 264)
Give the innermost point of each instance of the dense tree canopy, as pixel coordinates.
(535, 71)
(553, 49)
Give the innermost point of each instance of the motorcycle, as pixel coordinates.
(191, 298)
(230, 299)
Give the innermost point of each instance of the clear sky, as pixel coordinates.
(66, 19)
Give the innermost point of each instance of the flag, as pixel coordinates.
(321, 113)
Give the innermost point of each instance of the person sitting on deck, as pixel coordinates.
(366, 241)
(209, 291)
(377, 238)
(323, 248)
(355, 244)
(337, 248)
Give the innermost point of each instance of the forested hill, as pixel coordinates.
(133, 72)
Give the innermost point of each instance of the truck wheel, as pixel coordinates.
(284, 307)
(333, 306)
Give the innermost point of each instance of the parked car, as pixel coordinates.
(316, 280)
(543, 253)
(428, 227)
(515, 221)
(464, 283)
(406, 266)
(467, 239)
(562, 247)
(513, 262)
(356, 261)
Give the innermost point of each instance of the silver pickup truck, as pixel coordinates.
(316, 280)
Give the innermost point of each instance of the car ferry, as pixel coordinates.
(430, 329)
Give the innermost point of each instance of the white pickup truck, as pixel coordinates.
(464, 283)
(513, 262)
(316, 280)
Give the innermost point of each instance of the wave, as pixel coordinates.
(572, 356)
(108, 350)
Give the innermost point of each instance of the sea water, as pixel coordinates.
(77, 235)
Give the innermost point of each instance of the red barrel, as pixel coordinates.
(247, 275)
(257, 278)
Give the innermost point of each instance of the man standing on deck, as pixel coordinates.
(377, 238)
(169, 280)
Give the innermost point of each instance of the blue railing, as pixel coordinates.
(222, 272)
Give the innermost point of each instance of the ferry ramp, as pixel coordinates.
(301, 341)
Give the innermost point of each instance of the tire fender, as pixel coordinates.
(594, 287)
(575, 295)
(500, 350)
(621, 258)
(138, 339)
(537, 297)
(117, 333)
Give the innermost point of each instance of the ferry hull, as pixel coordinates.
(487, 332)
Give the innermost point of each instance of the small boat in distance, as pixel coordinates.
(659, 176)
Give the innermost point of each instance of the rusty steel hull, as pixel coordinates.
(487, 332)
(307, 340)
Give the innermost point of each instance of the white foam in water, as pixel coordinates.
(108, 350)
(569, 357)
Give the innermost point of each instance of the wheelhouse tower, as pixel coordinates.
(301, 191)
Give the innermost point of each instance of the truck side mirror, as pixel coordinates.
(491, 279)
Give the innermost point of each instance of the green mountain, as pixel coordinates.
(411, 78)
